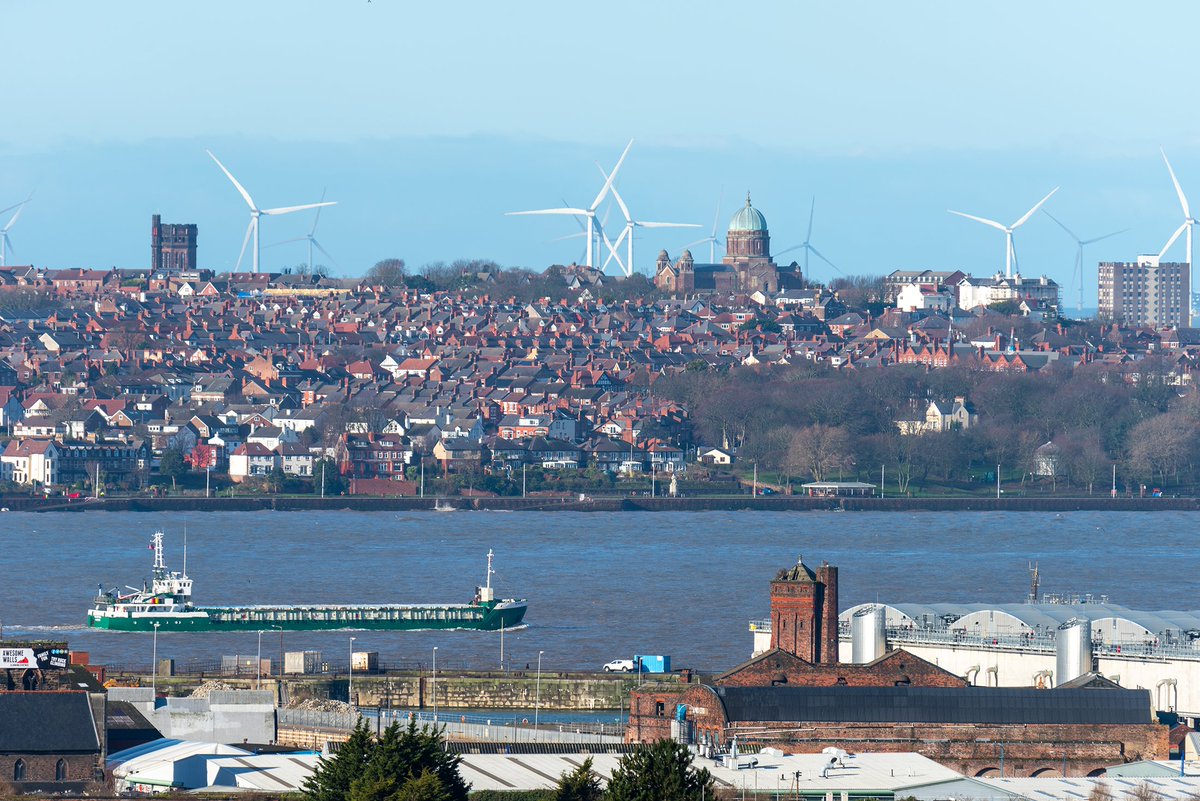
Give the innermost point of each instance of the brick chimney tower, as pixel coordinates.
(804, 612)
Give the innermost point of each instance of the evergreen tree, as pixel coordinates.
(426, 787)
(402, 756)
(334, 776)
(661, 771)
(581, 784)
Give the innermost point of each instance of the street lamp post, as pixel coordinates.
(537, 692)
(279, 671)
(258, 664)
(434, 688)
(154, 667)
(350, 683)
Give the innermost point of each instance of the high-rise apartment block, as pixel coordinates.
(172, 246)
(1145, 292)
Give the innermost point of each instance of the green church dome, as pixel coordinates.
(748, 218)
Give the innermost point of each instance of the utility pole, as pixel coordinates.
(997, 482)
(523, 466)
(1114, 484)
(207, 480)
(881, 484)
(422, 476)
(322, 480)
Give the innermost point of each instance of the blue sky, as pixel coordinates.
(428, 121)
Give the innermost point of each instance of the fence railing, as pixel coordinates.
(483, 728)
(1038, 643)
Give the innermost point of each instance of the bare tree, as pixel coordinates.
(819, 450)
(388, 272)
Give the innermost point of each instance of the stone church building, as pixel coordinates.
(747, 266)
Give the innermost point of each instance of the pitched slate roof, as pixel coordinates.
(47, 722)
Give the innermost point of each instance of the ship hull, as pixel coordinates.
(399, 618)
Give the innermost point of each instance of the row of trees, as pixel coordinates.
(808, 421)
(407, 763)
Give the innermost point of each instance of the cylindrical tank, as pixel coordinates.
(868, 635)
(1073, 650)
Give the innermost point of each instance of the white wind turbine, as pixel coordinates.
(627, 234)
(1077, 273)
(712, 238)
(808, 246)
(256, 212)
(311, 238)
(5, 242)
(1010, 252)
(589, 213)
(1189, 221)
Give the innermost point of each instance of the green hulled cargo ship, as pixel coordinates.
(167, 604)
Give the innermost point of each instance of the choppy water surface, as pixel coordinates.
(600, 586)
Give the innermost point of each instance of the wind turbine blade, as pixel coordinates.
(568, 211)
(317, 245)
(245, 242)
(811, 210)
(1171, 241)
(576, 235)
(241, 189)
(992, 223)
(317, 219)
(703, 241)
(788, 250)
(8, 245)
(818, 254)
(1031, 212)
(717, 216)
(1106, 236)
(19, 208)
(287, 241)
(611, 177)
(666, 225)
(13, 206)
(1178, 189)
(579, 222)
(290, 209)
(621, 203)
(1065, 228)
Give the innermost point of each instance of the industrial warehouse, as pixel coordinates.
(797, 695)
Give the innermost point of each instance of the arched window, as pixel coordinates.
(19, 770)
(60, 771)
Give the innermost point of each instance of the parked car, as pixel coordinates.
(619, 666)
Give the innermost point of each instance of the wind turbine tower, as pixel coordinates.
(1010, 251)
(256, 212)
(808, 247)
(589, 214)
(627, 233)
(311, 239)
(1077, 273)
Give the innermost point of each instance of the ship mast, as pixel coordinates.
(488, 579)
(160, 564)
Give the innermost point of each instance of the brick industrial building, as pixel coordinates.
(1145, 292)
(799, 698)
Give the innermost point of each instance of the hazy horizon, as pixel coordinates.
(427, 126)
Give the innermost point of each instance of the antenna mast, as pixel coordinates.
(160, 564)
(1035, 581)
